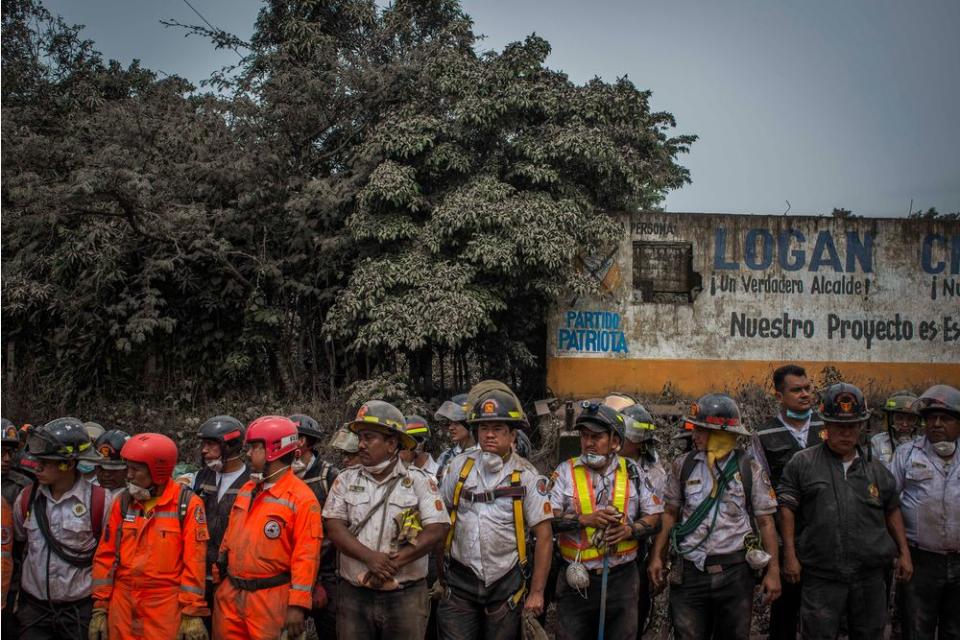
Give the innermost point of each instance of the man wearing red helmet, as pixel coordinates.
(149, 570)
(270, 552)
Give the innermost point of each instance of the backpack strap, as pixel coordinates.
(457, 491)
(183, 503)
(520, 531)
(24, 504)
(685, 471)
(98, 498)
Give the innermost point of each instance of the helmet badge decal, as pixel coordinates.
(488, 408)
(106, 450)
(846, 402)
(361, 412)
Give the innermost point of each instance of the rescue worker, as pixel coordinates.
(599, 519)
(112, 468)
(927, 473)
(639, 445)
(18, 472)
(900, 421)
(347, 444)
(419, 456)
(14, 479)
(60, 517)
(87, 468)
(271, 549)
(218, 484)
(795, 427)
(6, 550)
(841, 525)
(319, 475)
(494, 496)
(452, 414)
(384, 517)
(149, 569)
(325, 591)
(713, 495)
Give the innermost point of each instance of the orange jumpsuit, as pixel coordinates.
(6, 542)
(160, 571)
(276, 532)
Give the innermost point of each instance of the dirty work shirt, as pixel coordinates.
(733, 518)
(841, 518)
(69, 524)
(449, 454)
(353, 494)
(639, 504)
(929, 488)
(484, 537)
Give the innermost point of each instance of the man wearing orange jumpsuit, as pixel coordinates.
(149, 569)
(270, 552)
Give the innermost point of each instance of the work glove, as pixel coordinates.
(408, 526)
(438, 591)
(98, 625)
(191, 628)
(531, 629)
(319, 597)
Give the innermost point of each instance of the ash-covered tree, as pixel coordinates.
(365, 195)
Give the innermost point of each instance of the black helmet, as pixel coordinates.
(26, 463)
(109, 446)
(717, 411)
(939, 397)
(225, 430)
(386, 417)
(417, 427)
(640, 427)
(10, 433)
(496, 405)
(523, 444)
(62, 439)
(453, 410)
(843, 402)
(599, 417)
(901, 402)
(307, 426)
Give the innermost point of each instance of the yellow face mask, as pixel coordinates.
(719, 445)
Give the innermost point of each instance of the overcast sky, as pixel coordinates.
(823, 103)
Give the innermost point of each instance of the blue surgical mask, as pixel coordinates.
(86, 467)
(799, 415)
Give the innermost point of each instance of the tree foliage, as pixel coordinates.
(366, 195)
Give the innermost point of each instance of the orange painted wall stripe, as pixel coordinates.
(586, 377)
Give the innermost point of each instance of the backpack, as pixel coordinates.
(98, 498)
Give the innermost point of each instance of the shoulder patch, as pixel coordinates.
(5, 536)
(199, 515)
(544, 486)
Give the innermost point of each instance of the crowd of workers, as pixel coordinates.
(102, 538)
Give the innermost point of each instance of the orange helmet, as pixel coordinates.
(278, 434)
(155, 450)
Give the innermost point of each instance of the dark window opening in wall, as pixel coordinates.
(663, 272)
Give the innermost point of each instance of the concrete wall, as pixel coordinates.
(877, 298)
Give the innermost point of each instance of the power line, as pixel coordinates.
(207, 22)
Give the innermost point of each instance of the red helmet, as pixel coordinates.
(278, 434)
(155, 450)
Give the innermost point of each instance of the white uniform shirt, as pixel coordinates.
(639, 504)
(800, 435)
(69, 524)
(732, 522)
(484, 538)
(930, 496)
(355, 492)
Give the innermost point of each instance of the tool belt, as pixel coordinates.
(257, 584)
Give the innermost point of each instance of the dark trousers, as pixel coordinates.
(366, 614)
(579, 617)
(716, 604)
(824, 602)
(460, 618)
(41, 620)
(325, 620)
(932, 597)
(644, 599)
(785, 612)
